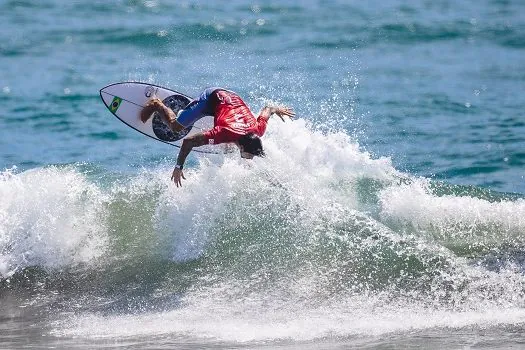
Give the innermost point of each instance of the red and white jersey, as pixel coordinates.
(233, 119)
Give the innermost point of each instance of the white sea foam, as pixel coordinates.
(234, 323)
(49, 217)
(302, 278)
(317, 172)
(463, 220)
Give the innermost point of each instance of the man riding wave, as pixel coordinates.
(233, 123)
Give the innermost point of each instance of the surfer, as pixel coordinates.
(233, 122)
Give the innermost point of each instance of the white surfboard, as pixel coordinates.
(126, 100)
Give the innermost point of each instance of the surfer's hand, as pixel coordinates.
(284, 111)
(177, 177)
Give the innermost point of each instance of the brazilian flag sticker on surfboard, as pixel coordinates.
(115, 104)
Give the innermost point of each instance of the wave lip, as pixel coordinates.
(466, 223)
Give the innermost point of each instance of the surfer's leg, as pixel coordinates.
(197, 109)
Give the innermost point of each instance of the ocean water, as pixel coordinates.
(389, 214)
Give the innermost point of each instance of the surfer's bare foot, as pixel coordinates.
(166, 114)
(154, 105)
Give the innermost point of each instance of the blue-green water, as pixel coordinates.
(390, 214)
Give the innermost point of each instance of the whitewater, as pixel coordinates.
(317, 241)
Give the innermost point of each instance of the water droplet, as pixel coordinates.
(151, 3)
(6, 90)
(260, 22)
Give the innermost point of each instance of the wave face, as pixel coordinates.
(316, 240)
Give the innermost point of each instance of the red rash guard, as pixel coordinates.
(233, 119)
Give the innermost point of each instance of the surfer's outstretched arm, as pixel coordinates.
(267, 112)
(187, 145)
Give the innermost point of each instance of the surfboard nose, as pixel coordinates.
(106, 98)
